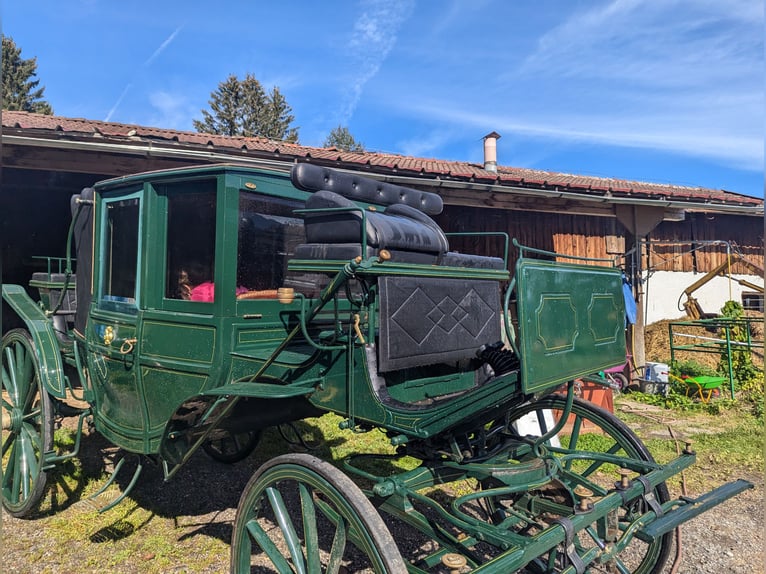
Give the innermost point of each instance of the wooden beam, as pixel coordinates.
(79, 161)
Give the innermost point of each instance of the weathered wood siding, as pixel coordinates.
(604, 237)
(693, 254)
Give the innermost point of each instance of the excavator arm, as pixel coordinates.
(692, 306)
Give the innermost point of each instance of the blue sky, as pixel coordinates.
(669, 91)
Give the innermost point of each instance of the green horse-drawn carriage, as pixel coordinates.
(211, 303)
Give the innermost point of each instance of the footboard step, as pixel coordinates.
(681, 514)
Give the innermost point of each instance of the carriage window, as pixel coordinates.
(269, 232)
(191, 240)
(119, 252)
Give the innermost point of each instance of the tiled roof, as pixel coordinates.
(376, 161)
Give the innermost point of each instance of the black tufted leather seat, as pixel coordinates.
(309, 177)
(399, 228)
(402, 225)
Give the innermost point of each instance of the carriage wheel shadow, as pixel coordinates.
(202, 498)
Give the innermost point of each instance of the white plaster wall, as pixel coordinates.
(663, 289)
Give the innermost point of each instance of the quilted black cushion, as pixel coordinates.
(400, 227)
(309, 177)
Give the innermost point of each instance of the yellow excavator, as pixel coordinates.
(692, 306)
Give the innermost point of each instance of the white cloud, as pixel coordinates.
(374, 36)
(682, 76)
(146, 64)
(172, 111)
(426, 145)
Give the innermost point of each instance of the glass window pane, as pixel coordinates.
(120, 253)
(191, 240)
(269, 232)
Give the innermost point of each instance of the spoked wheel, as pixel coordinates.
(231, 447)
(27, 424)
(301, 514)
(593, 429)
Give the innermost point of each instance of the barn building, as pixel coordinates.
(665, 236)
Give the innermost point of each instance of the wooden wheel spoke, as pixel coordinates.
(338, 547)
(22, 366)
(30, 444)
(9, 441)
(11, 384)
(265, 543)
(575, 435)
(7, 384)
(30, 434)
(18, 461)
(288, 528)
(573, 438)
(29, 399)
(294, 491)
(310, 531)
(9, 471)
(592, 436)
(31, 415)
(7, 406)
(237, 440)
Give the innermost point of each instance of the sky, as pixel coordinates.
(666, 91)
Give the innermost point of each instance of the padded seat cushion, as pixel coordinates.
(309, 177)
(400, 227)
(453, 259)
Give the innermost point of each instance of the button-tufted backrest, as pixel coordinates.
(310, 177)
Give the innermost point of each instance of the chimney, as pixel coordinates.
(490, 151)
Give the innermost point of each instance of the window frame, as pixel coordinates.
(116, 303)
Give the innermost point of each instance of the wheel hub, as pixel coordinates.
(12, 420)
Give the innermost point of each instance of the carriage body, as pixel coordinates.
(221, 300)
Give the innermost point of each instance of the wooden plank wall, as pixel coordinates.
(692, 254)
(604, 237)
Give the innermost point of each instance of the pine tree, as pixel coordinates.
(243, 108)
(20, 91)
(342, 139)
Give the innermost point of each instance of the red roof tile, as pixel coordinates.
(382, 162)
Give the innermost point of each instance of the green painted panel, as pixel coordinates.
(178, 342)
(46, 344)
(165, 390)
(571, 321)
(117, 392)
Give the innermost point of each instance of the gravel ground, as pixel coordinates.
(185, 525)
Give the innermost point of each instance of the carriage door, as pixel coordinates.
(114, 320)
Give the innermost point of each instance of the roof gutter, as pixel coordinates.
(555, 194)
(148, 149)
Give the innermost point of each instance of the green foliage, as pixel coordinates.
(732, 310)
(244, 108)
(677, 400)
(20, 91)
(342, 139)
(751, 391)
(691, 368)
(741, 360)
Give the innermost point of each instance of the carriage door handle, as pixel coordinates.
(127, 346)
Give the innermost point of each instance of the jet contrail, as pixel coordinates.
(145, 65)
